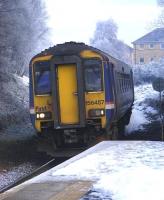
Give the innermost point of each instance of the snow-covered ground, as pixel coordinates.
(9, 176)
(24, 79)
(143, 108)
(120, 170)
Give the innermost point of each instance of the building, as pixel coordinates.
(149, 48)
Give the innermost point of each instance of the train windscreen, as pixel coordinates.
(42, 78)
(93, 75)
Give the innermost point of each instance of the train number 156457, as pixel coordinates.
(94, 102)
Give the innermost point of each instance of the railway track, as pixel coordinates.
(36, 172)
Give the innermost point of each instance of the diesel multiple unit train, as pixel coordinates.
(79, 93)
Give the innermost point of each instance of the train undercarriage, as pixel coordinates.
(69, 142)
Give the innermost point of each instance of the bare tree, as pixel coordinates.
(23, 30)
(105, 38)
(160, 2)
(148, 72)
(103, 29)
(159, 22)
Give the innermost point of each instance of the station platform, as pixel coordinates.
(124, 170)
(58, 190)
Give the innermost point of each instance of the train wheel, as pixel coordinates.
(112, 133)
(40, 134)
(121, 129)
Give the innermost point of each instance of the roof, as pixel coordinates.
(155, 36)
(73, 48)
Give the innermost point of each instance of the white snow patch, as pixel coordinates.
(145, 91)
(24, 79)
(136, 121)
(141, 108)
(133, 184)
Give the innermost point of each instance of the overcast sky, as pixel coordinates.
(75, 20)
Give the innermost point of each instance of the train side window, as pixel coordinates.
(122, 85)
(126, 85)
(129, 84)
(119, 87)
(42, 78)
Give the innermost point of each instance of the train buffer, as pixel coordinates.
(115, 167)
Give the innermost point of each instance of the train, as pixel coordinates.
(79, 94)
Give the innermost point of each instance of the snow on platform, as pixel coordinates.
(121, 170)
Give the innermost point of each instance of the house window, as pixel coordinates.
(151, 46)
(141, 46)
(141, 60)
(162, 46)
(151, 59)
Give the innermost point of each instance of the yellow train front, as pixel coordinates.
(78, 93)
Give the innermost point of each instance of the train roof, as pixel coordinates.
(74, 48)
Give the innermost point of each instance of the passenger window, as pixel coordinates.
(42, 78)
(122, 85)
(93, 75)
(119, 86)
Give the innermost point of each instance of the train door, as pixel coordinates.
(68, 94)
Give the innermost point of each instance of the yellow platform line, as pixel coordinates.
(74, 191)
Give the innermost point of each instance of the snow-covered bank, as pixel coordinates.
(145, 108)
(14, 99)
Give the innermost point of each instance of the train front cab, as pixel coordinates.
(78, 97)
(78, 91)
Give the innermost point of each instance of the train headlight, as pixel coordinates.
(45, 115)
(96, 112)
(42, 115)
